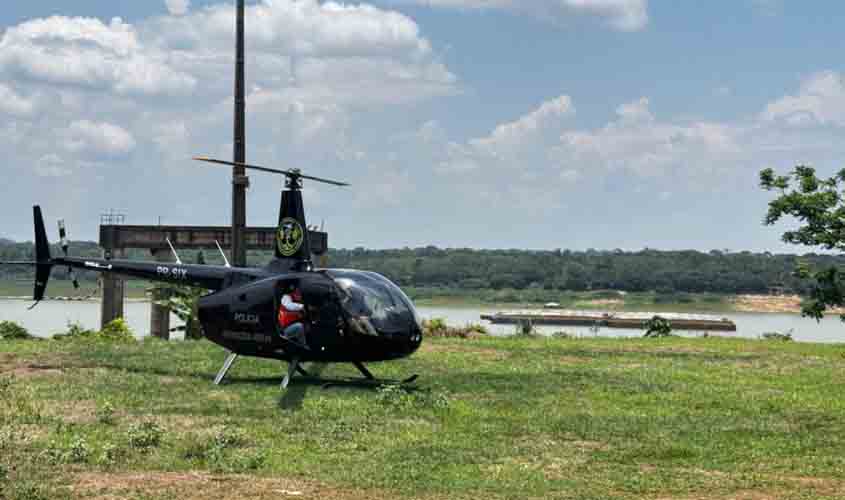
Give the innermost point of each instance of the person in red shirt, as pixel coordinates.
(291, 314)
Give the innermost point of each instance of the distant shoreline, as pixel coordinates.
(790, 304)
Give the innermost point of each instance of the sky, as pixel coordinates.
(535, 124)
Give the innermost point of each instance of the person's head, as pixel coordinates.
(296, 295)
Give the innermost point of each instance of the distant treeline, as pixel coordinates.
(468, 269)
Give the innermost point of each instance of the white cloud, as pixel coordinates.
(13, 104)
(624, 15)
(178, 7)
(125, 86)
(89, 53)
(634, 112)
(820, 101)
(550, 154)
(639, 143)
(543, 152)
(51, 165)
(387, 186)
(512, 135)
(97, 139)
(303, 27)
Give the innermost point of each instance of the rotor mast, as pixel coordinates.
(239, 179)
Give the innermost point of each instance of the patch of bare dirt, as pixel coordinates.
(823, 487)
(191, 486)
(75, 412)
(573, 360)
(179, 424)
(45, 366)
(739, 495)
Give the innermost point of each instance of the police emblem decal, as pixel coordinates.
(289, 237)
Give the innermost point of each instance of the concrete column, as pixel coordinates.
(111, 305)
(160, 316)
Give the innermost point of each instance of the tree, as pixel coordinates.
(657, 327)
(819, 206)
(183, 301)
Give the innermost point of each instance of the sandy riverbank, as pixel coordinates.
(772, 303)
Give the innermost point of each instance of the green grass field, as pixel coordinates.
(493, 418)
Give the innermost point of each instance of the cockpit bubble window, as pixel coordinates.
(370, 296)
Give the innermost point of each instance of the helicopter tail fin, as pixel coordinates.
(292, 242)
(43, 260)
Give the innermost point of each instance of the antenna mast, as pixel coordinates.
(239, 179)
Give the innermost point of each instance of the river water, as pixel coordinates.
(53, 317)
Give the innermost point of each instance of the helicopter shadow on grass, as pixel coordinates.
(291, 399)
(295, 393)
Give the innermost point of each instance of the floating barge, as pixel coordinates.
(630, 320)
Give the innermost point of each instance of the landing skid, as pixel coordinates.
(225, 369)
(368, 380)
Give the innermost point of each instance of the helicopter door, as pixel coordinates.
(324, 313)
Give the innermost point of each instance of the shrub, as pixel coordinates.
(53, 453)
(224, 452)
(248, 460)
(9, 330)
(28, 491)
(229, 437)
(110, 455)
(657, 327)
(475, 328)
(779, 336)
(145, 435)
(75, 452)
(105, 413)
(117, 330)
(433, 325)
(75, 331)
(437, 327)
(78, 451)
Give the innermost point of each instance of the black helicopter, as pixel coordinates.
(349, 316)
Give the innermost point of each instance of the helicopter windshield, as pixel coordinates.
(374, 303)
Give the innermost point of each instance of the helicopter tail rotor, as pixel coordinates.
(64, 243)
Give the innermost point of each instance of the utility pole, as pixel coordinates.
(239, 179)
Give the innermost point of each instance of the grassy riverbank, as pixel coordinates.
(495, 418)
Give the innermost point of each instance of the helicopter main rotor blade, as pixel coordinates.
(288, 173)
